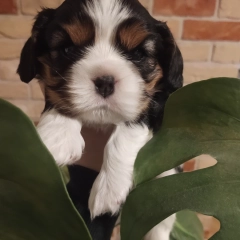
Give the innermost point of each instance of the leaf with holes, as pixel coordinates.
(34, 203)
(201, 118)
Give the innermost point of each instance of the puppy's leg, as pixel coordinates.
(62, 137)
(163, 230)
(116, 177)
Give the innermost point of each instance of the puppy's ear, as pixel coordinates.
(29, 65)
(170, 58)
(27, 68)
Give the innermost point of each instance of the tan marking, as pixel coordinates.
(60, 98)
(79, 32)
(131, 36)
(157, 75)
(53, 96)
(144, 104)
(63, 105)
(49, 81)
(150, 89)
(47, 77)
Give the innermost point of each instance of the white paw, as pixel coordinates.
(163, 230)
(62, 137)
(107, 195)
(65, 150)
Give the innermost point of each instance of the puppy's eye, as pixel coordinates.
(66, 50)
(139, 54)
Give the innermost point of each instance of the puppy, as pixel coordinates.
(101, 63)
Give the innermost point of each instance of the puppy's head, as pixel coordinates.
(105, 61)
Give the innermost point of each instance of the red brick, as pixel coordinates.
(32, 108)
(8, 70)
(208, 30)
(33, 6)
(229, 9)
(10, 48)
(13, 90)
(194, 72)
(175, 25)
(145, 3)
(36, 90)
(185, 7)
(8, 7)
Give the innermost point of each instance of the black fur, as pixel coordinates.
(27, 68)
(51, 51)
(34, 47)
(49, 21)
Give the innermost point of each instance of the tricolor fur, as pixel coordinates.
(102, 63)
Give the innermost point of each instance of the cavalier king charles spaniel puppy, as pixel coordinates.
(102, 63)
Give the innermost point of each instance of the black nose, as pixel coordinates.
(105, 85)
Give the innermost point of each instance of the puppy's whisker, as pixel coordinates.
(58, 73)
(124, 77)
(76, 55)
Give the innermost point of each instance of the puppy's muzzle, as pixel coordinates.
(105, 85)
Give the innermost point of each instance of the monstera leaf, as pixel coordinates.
(201, 118)
(187, 227)
(34, 204)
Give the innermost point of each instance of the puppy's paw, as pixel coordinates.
(66, 149)
(107, 195)
(162, 230)
(62, 137)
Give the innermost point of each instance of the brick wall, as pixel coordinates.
(207, 31)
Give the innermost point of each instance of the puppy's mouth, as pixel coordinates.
(105, 104)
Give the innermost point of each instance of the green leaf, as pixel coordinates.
(65, 174)
(187, 227)
(34, 204)
(201, 118)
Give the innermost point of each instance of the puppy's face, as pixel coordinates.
(101, 60)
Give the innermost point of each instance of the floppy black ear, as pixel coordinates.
(171, 62)
(170, 59)
(29, 66)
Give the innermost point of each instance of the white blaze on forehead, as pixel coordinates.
(103, 58)
(107, 15)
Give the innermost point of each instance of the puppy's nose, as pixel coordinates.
(104, 85)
